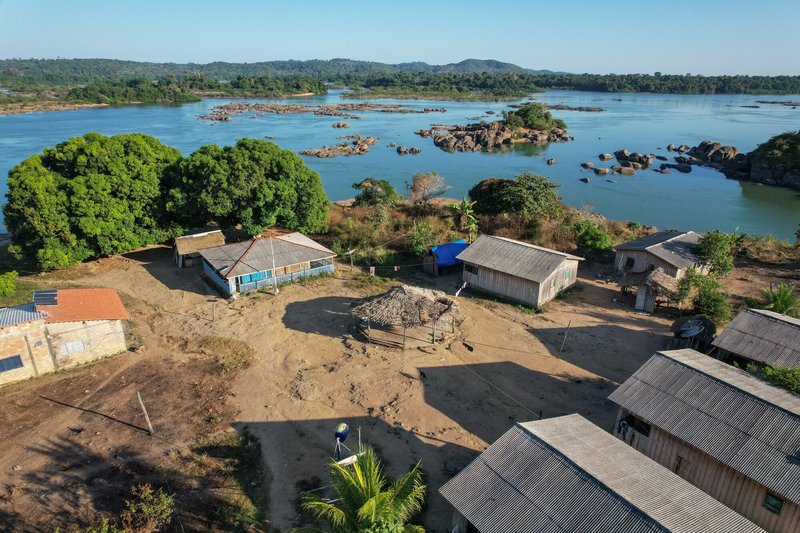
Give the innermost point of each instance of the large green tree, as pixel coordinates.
(89, 196)
(528, 194)
(253, 183)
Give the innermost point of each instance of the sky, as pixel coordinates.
(757, 37)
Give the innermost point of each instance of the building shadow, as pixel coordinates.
(580, 347)
(329, 316)
(298, 454)
(158, 262)
(487, 398)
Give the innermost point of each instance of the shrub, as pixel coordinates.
(375, 192)
(528, 194)
(425, 186)
(709, 297)
(421, 237)
(534, 116)
(782, 150)
(782, 299)
(785, 378)
(7, 284)
(590, 238)
(716, 250)
(149, 510)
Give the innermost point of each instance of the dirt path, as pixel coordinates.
(439, 405)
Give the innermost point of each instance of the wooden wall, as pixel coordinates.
(643, 260)
(563, 277)
(738, 492)
(505, 285)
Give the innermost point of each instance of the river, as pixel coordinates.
(702, 200)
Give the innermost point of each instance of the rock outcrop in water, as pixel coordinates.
(357, 145)
(488, 137)
(226, 111)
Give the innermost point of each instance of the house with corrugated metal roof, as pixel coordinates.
(263, 262)
(567, 474)
(60, 329)
(722, 429)
(187, 248)
(670, 250)
(760, 337)
(517, 270)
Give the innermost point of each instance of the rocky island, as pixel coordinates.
(352, 145)
(531, 123)
(225, 112)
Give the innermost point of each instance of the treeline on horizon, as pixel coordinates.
(477, 77)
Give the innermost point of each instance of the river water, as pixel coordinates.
(702, 200)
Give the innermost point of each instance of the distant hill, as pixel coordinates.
(66, 71)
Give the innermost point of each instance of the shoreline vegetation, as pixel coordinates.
(61, 84)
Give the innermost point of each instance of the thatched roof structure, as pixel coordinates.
(657, 279)
(406, 306)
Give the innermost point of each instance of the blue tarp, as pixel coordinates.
(446, 253)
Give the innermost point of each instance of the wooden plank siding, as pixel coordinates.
(644, 261)
(563, 277)
(743, 495)
(519, 289)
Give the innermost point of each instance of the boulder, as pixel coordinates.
(585, 180)
(341, 125)
(402, 150)
(622, 155)
(605, 157)
(392, 144)
(671, 147)
(600, 171)
(587, 164)
(661, 158)
(627, 171)
(551, 161)
(415, 150)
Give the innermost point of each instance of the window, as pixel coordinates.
(629, 262)
(38, 342)
(472, 269)
(10, 363)
(71, 347)
(638, 425)
(681, 466)
(773, 503)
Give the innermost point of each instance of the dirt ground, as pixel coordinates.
(69, 439)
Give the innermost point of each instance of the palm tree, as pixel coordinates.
(365, 501)
(782, 299)
(464, 214)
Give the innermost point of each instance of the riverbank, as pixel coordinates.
(18, 108)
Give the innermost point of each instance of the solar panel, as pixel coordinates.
(45, 297)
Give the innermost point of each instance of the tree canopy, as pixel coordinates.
(715, 250)
(528, 194)
(254, 183)
(782, 150)
(533, 116)
(94, 195)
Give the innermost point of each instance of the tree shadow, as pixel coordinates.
(158, 262)
(329, 316)
(581, 347)
(487, 398)
(79, 485)
(298, 455)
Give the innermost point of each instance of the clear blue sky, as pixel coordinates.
(679, 36)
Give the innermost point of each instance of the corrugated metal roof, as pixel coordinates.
(514, 257)
(189, 244)
(19, 314)
(731, 415)
(78, 305)
(251, 256)
(674, 247)
(566, 474)
(762, 336)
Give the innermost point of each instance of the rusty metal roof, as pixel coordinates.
(567, 474)
(10, 316)
(739, 420)
(516, 258)
(78, 305)
(762, 336)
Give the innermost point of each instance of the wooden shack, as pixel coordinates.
(761, 337)
(187, 248)
(669, 250)
(653, 288)
(722, 429)
(567, 474)
(517, 270)
(263, 262)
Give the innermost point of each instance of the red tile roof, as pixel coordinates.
(78, 305)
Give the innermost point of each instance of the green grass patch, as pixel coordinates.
(23, 294)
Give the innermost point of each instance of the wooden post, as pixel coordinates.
(369, 332)
(404, 336)
(565, 336)
(433, 338)
(214, 311)
(144, 410)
